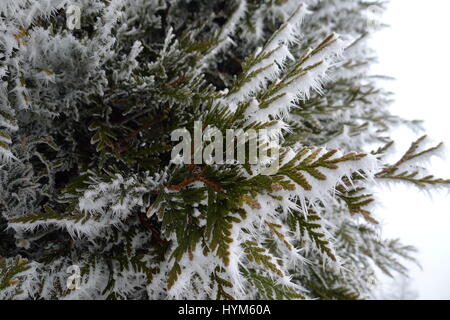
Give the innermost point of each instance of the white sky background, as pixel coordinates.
(416, 51)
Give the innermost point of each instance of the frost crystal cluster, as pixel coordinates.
(87, 182)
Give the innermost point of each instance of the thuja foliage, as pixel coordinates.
(87, 178)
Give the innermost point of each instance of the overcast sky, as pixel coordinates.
(416, 51)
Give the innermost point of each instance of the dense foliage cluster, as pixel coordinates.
(86, 173)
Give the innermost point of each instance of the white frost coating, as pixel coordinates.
(290, 31)
(320, 190)
(268, 69)
(299, 87)
(92, 284)
(6, 156)
(250, 228)
(287, 7)
(23, 284)
(30, 9)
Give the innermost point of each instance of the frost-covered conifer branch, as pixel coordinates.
(409, 168)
